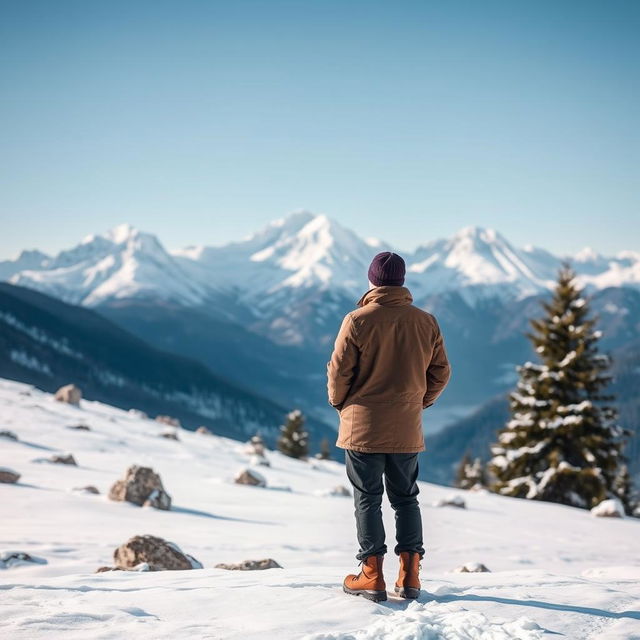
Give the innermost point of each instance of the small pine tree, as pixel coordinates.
(562, 443)
(294, 439)
(470, 474)
(325, 451)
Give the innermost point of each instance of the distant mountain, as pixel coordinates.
(263, 312)
(48, 343)
(266, 278)
(26, 261)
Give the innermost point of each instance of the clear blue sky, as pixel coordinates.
(203, 120)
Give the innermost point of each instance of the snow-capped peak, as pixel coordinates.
(587, 255)
(122, 233)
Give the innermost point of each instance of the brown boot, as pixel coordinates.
(408, 583)
(369, 583)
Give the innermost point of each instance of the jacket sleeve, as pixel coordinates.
(438, 372)
(342, 366)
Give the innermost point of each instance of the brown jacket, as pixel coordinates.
(388, 364)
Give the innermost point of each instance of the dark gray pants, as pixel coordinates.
(400, 471)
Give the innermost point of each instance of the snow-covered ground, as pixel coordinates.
(555, 571)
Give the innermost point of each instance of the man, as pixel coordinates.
(388, 364)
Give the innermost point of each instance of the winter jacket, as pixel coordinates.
(388, 364)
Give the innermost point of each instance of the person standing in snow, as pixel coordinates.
(388, 364)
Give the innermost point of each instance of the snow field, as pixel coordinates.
(554, 569)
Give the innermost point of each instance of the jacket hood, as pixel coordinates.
(387, 296)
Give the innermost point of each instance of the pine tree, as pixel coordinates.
(470, 474)
(294, 439)
(325, 451)
(562, 443)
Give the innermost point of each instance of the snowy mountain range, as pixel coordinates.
(262, 312)
(289, 258)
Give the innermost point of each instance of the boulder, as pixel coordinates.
(10, 559)
(103, 569)
(451, 501)
(64, 458)
(172, 422)
(79, 427)
(88, 489)
(9, 435)
(250, 477)
(204, 431)
(156, 553)
(138, 485)
(611, 508)
(69, 394)
(169, 435)
(472, 567)
(250, 565)
(8, 476)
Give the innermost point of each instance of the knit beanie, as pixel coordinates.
(387, 269)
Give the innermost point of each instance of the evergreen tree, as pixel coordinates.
(470, 473)
(562, 443)
(325, 451)
(294, 439)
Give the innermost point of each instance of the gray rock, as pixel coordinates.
(10, 559)
(79, 427)
(69, 394)
(250, 477)
(9, 435)
(64, 459)
(472, 567)
(156, 553)
(88, 489)
(169, 435)
(250, 565)
(8, 476)
(137, 487)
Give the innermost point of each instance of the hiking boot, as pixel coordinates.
(369, 583)
(408, 583)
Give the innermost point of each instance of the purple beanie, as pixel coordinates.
(387, 269)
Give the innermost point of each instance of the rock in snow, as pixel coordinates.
(69, 394)
(9, 435)
(79, 427)
(141, 485)
(8, 476)
(472, 567)
(156, 553)
(204, 431)
(63, 458)
(10, 559)
(88, 489)
(611, 508)
(451, 501)
(250, 477)
(170, 435)
(250, 565)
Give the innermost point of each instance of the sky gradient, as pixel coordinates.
(202, 121)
